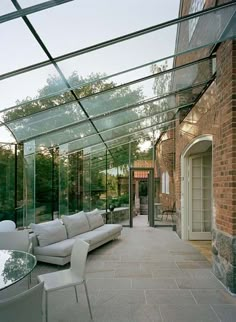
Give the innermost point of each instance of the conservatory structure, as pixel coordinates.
(81, 107)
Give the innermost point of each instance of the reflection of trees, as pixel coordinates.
(7, 180)
(17, 264)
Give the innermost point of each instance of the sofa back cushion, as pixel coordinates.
(76, 224)
(95, 219)
(49, 232)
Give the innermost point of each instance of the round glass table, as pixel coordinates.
(15, 265)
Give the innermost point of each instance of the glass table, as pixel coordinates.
(14, 266)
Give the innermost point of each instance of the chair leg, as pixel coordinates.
(46, 305)
(76, 294)
(86, 291)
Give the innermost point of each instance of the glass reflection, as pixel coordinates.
(14, 265)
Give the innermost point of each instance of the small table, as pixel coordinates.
(14, 266)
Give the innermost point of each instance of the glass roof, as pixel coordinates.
(72, 73)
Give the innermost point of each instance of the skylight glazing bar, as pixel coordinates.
(17, 123)
(124, 38)
(32, 9)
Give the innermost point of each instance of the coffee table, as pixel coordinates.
(14, 266)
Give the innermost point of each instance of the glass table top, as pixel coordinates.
(15, 265)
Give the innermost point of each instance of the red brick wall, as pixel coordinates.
(225, 139)
(166, 162)
(215, 114)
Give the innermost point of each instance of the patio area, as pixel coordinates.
(148, 274)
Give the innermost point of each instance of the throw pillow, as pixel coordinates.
(95, 219)
(49, 232)
(76, 224)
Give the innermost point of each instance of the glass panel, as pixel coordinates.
(87, 181)
(7, 182)
(48, 120)
(157, 86)
(134, 127)
(6, 135)
(104, 61)
(84, 142)
(13, 41)
(6, 7)
(63, 181)
(29, 86)
(65, 135)
(29, 3)
(98, 183)
(98, 20)
(29, 167)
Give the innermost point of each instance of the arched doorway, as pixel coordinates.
(196, 190)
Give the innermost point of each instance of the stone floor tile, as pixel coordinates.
(213, 297)
(167, 273)
(132, 272)
(153, 283)
(104, 257)
(196, 283)
(178, 297)
(157, 265)
(109, 283)
(119, 297)
(189, 257)
(198, 273)
(188, 313)
(195, 264)
(226, 313)
(101, 274)
(127, 313)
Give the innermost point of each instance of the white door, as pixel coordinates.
(200, 197)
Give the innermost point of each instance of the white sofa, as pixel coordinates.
(52, 241)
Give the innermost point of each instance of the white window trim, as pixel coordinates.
(165, 183)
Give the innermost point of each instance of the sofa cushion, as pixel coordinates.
(76, 224)
(93, 237)
(49, 232)
(110, 229)
(95, 219)
(60, 249)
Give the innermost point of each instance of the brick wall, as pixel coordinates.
(166, 162)
(225, 139)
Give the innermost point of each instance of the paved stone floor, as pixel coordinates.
(147, 275)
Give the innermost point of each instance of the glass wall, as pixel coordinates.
(11, 183)
(38, 186)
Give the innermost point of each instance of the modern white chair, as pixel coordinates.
(7, 225)
(24, 307)
(17, 240)
(73, 276)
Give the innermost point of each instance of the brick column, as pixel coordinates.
(224, 168)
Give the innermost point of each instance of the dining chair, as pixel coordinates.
(169, 212)
(16, 240)
(73, 276)
(7, 225)
(23, 307)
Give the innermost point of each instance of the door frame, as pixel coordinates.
(184, 183)
(201, 235)
(151, 192)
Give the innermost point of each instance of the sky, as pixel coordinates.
(76, 25)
